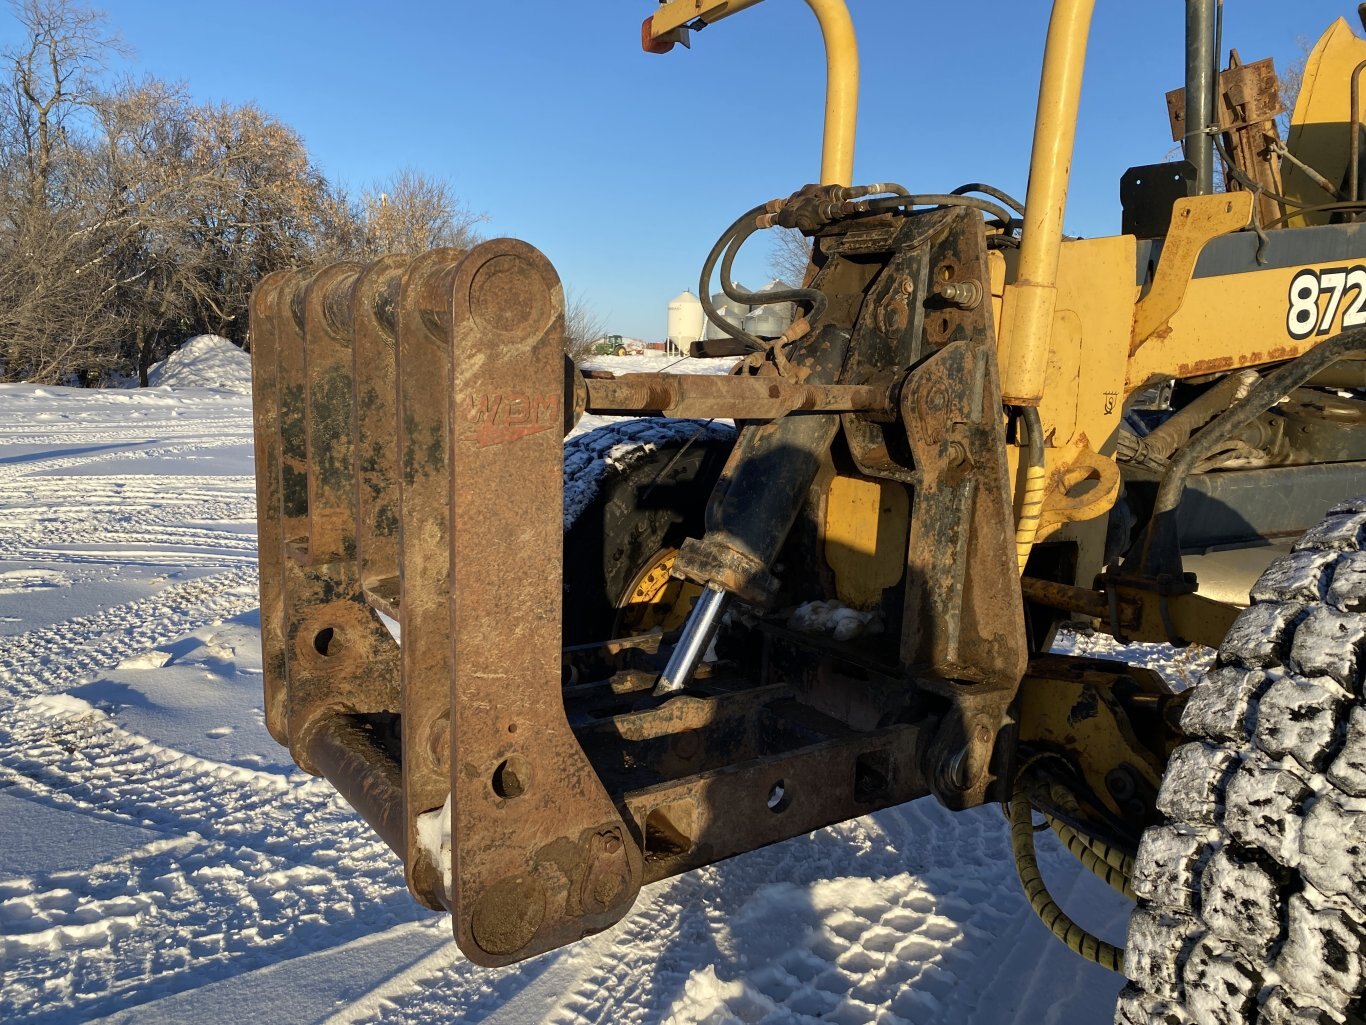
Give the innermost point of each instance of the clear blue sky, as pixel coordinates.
(623, 167)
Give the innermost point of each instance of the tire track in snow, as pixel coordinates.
(904, 916)
(782, 935)
(41, 466)
(787, 935)
(56, 657)
(254, 864)
(95, 509)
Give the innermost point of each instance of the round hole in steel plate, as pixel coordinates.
(779, 797)
(510, 778)
(326, 642)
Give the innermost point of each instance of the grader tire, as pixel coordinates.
(1252, 892)
(633, 489)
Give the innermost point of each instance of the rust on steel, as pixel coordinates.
(758, 398)
(370, 314)
(291, 388)
(544, 856)
(345, 749)
(423, 369)
(342, 657)
(324, 650)
(963, 625)
(1079, 599)
(409, 417)
(269, 514)
(711, 815)
(328, 420)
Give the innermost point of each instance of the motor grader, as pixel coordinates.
(549, 673)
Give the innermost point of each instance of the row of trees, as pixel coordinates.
(132, 216)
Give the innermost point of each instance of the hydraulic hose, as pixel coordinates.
(813, 296)
(1107, 955)
(1112, 867)
(1155, 449)
(937, 199)
(1251, 185)
(1031, 502)
(745, 220)
(995, 193)
(889, 196)
(1261, 397)
(1347, 206)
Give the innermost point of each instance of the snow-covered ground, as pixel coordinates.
(162, 861)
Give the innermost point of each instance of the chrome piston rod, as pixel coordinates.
(693, 643)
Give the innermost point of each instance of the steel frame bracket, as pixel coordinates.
(409, 417)
(963, 629)
(464, 351)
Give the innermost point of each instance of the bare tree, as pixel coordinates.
(789, 256)
(50, 320)
(409, 212)
(131, 216)
(52, 77)
(582, 326)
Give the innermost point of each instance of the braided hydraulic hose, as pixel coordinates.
(1103, 861)
(1031, 502)
(1116, 858)
(1107, 955)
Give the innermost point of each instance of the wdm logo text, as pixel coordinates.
(504, 417)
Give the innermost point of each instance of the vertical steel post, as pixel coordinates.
(1200, 78)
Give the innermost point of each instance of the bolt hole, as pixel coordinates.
(326, 642)
(946, 273)
(510, 778)
(944, 325)
(512, 727)
(872, 776)
(778, 797)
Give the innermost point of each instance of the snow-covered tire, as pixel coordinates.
(630, 489)
(1252, 891)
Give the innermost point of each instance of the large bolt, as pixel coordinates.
(966, 295)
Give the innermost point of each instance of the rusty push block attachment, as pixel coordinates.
(464, 351)
(409, 422)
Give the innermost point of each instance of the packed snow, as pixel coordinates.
(205, 361)
(835, 618)
(163, 861)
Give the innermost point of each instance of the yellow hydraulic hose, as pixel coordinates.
(1031, 501)
(1103, 861)
(1031, 508)
(1107, 955)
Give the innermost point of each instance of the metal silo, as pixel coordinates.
(686, 320)
(772, 319)
(731, 311)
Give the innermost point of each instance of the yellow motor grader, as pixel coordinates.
(548, 673)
